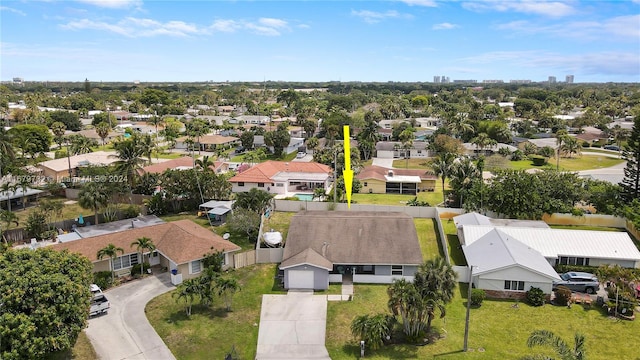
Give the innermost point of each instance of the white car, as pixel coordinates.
(301, 155)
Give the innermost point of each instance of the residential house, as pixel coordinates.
(395, 150)
(18, 196)
(381, 180)
(475, 150)
(60, 169)
(283, 178)
(181, 163)
(92, 134)
(208, 142)
(180, 245)
(366, 247)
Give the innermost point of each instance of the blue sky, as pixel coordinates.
(403, 40)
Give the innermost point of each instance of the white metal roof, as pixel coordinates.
(403, 179)
(299, 176)
(472, 218)
(496, 250)
(552, 243)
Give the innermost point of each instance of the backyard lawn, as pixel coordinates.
(433, 197)
(427, 237)
(210, 332)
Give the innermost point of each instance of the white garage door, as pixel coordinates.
(300, 279)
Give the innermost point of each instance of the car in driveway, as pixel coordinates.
(578, 281)
(612, 147)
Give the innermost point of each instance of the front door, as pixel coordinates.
(154, 258)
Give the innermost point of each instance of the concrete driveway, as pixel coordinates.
(293, 326)
(124, 332)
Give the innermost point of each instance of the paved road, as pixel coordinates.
(293, 326)
(124, 332)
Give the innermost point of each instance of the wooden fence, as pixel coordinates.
(244, 259)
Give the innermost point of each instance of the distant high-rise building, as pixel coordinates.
(492, 81)
(569, 79)
(520, 81)
(552, 79)
(18, 80)
(436, 79)
(465, 81)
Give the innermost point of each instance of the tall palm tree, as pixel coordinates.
(406, 137)
(566, 352)
(111, 251)
(103, 129)
(406, 301)
(6, 148)
(6, 188)
(81, 144)
(571, 146)
(8, 218)
(205, 163)
(463, 174)
(146, 144)
(156, 120)
(483, 141)
(94, 196)
(142, 244)
(226, 288)
(58, 128)
(130, 159)
(23, 183)
(561, 136)
(441, 166)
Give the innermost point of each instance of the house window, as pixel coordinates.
(365, 184)
(569, 260)
(125, 261)
(396, 270)
(196, 267)
(240, 184)
(261, 185)
(419, 151)
(279, 184)
(513, 285)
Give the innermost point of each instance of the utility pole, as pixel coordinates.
(466, 324)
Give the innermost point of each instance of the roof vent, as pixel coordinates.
(390, 173)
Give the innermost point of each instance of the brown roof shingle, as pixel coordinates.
(354, 237)
(181, 241)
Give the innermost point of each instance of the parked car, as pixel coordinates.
(612, 147)
(578, 281)
(99, 305)
(95, 290)
(301, 155)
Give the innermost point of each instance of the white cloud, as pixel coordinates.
(598, 63)
(273, 23)
(444, 26)
(428, 3)
(15, 11)
(114, 4)
(137, 27)
(225, 26)
(546, 8)
(373, 17)
(619, 28)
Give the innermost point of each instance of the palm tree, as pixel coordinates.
(571, 146)
(319, 193)
(156, 120)
(463, 174)
(130, 159)
(548, 338)
(406, 137)
(81, 144)
(561, 135)
(58, 128)
(187, 291)
(459, 125)
(111, 251)
(6, 147)
(205, 163)
(406, 301)
(8, 218)
(146, 144)
(441, 166)
(93, 196)
(23, 183)
(373, 329)
(436, 276)
(483, 141)
(6, 188)
(226, 288)
(142, 244)
(103, 129)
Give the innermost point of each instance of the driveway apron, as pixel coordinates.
(124, 332)
(292, 326)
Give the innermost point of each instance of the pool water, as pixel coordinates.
(304, 197)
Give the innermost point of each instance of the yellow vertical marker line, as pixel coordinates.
(347, 173)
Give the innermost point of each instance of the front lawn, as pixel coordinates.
(210, 332)
(576, 163)
(498, 329)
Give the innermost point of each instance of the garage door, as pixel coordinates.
(300, 279)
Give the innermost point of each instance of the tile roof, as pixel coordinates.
(380, 173)
(171, 164)
(181, 241)
(263, 172)
(353, 237)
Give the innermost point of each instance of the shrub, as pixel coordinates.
(517, 155)
(103, 279)
(538, 160)
(135, 270)
(535, 297)
(563, 295)
(130, 211)
(585, 144)
(59, 154)
(477, 297)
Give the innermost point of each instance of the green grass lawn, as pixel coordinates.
(429, 244)
(410, 164)
(576, 163)
(497, 327)
(432, 197)
(240, 239)
(81, 350)
(210, 332)
(278, 221)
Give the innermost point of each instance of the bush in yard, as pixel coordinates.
(131, 211)
(538, 160)
(135, 270)
(563, 295)
(535, 297)
(103, 279)
(477, 297)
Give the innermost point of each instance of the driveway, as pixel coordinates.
(124, 332)
(293, 326)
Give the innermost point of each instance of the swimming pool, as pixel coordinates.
(304, 197)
